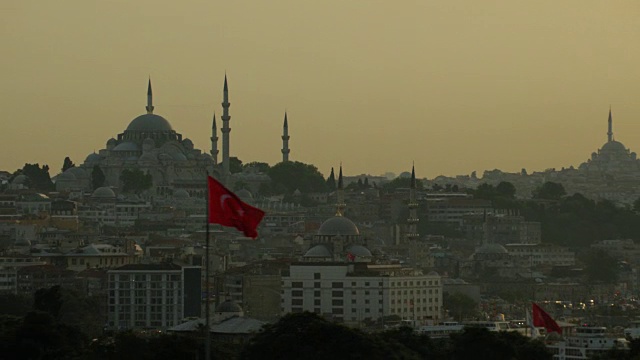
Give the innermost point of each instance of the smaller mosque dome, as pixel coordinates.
(66, 176)
(359, 251)
(103, 193)
(188, 144)
(149, 122)
(245, 195)
(20, 180)
(78, 172)
(181, 194)
(338, 225)
(491, 249)
(229, 306)
(93, 158)
(318, 251)
(126, 146)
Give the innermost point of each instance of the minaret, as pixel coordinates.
(610, 133)
(225, 127)
(285, 140)
(412, 221)
(149, 99)
(340, 205)
(214, 141)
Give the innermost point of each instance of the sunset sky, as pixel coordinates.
(456, 86)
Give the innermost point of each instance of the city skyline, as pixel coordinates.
(456, 87)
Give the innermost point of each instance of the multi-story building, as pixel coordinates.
(155, 296)
(452, 209)
(505, 228)
(541, 255)
(354, 292)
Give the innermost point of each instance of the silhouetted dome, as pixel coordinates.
(103, 193)
(79, 173)
(229, 306)
(126, 146)
(491, 249)
(93, 158)
(318, 251)
(20, 179)
(359, 251)
(614, 146)
(66, 176)
(181, 194)
(245, 195)
(338, 225)
(149, 122)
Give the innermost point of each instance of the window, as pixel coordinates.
(316, 285)
(316, 293)
(296, 284)
(296, 293)
(366, 283)
(296, 302)
(337, 294)
(316, 302)
(337, 302)
(337, 311)
(316, 276)
(337, 285)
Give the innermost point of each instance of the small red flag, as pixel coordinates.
(351, 257)
(226, 209)
(542, 319)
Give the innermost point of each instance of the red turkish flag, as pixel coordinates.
(542, 319)
(226, 209)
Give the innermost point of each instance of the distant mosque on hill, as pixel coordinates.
(613, 157)
(151, 145)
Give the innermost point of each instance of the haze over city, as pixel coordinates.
(456, 86)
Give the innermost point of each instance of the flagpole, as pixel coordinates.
(207, 338)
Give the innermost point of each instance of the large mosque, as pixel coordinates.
(150, 144)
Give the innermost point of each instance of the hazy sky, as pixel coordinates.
(456, 86)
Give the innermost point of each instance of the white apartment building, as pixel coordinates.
(353, 292)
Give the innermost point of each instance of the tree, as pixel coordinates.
(38, 177)
(294, 175)
(460, 306)
(600, 267)
(97, 177)
(549, 191)
(506, 189)
(235, 165)
(260, 166)
(67, 164)
(331, 181)
(307, 336)
(135, 181)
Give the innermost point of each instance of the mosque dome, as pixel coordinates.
(79, 173)
(149, 122)
(229, 306)
(126, 146)
(245, 195)
(359, 251)
(492, 249)
(92, 158)
(20, 180)
(318, 251)
(66, 176)
(338, 225)
(614, 146)
(103, 193)
(181, 194)
(111, 141)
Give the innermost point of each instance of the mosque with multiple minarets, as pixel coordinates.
(152, 145)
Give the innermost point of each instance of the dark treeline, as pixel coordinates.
(571, 220)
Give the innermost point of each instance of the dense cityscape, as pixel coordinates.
(107, 257)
